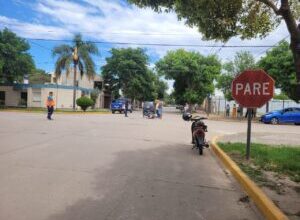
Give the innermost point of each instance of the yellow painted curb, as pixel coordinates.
(266, 206)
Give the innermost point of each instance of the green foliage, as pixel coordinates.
(193, 74)
(94, 94)
(242, 61)
(169, 99)
(224, 84)
(39, 76)
(221, 19)
(281, 96)
(15, 61)
(278, 63)
(127, 70)
(161, 87)
(84, 102)
(281, 159)
(65, 59)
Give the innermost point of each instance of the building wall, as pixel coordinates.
(63, 97)
(83, 81)
(12, 97)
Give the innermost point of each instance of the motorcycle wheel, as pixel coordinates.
(200, 141)
(200, 150)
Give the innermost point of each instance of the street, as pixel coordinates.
(89, 166)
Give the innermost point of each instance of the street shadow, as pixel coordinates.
(157, 183)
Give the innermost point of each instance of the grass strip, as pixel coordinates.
(282, 159)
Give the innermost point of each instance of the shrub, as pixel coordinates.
(84, 102)
(94, 95)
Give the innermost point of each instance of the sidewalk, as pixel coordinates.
(265, 138)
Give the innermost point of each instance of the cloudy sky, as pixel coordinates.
(109, 22)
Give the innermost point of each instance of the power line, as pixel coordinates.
(273, 45)
(217, 52)
(156, 44)
(41, 46)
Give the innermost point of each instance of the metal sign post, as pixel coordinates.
(252, 89)
(249, 133)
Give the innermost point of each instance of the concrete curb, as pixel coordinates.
(266, 206)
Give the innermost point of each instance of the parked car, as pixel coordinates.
(287, 115)
(118, 105)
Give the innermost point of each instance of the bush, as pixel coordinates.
(94, 95)
(84, 102)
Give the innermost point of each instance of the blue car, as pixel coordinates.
(287, 115)
(118, 105)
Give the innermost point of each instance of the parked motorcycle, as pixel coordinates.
(198, 130)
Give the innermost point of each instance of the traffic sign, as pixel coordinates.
(252, 88)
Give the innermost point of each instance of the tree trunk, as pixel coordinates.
(74, 86)
(294, 30)
(295, 47)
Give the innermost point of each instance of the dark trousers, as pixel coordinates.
(50, 111)
(227, 113)
(126, 110)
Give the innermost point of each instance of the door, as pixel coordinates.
(287, 115)
(107, 101)
(295, 115)
(23, 99)
(2, 98)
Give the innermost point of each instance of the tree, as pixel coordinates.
(193, 74)
(242, 61)
(84, 102)
(126, 70)
(78, 54)
(94, 96)
(224, 84)
(161, 88)
(281, 96)
(223, 19)
(39, 76)
(15, 61)
(278, 62)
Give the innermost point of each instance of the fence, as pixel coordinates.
(217, 105)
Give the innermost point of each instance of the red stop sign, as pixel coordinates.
(252, 88)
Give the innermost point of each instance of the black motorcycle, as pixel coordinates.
(198, 130)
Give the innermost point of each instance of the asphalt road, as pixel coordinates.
(92, 167)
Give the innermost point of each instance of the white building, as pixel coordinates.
(29, 95)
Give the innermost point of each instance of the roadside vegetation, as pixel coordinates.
(283, 160)
(275, 168)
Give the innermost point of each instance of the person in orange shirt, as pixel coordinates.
(50, 105)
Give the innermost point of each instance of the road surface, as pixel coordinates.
(92, 167)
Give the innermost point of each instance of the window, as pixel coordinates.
(98, 85)
(288, 110)
(36, 95)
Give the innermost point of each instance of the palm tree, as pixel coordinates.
(78, 54)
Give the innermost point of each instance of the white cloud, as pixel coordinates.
(117, 22)
(30, 30)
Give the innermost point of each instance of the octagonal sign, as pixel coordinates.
(252, 88)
